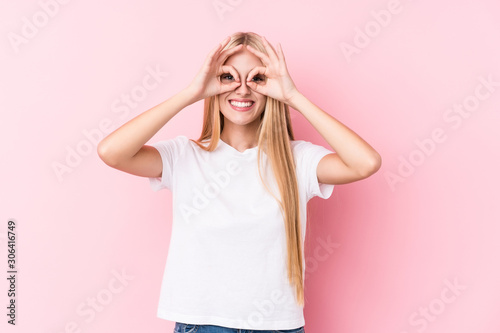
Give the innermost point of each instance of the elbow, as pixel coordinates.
(376, 162)
(105, 155)
(372, 165)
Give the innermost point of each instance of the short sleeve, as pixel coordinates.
(170, 151)
(307, 156)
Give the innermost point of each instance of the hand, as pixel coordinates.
(207, 83)
(278, 83)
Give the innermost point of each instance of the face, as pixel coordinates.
(251, 104)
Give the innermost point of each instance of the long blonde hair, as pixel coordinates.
(274, 133)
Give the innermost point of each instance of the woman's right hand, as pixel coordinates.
(207, 83)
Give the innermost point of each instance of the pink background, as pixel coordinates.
(427, 220)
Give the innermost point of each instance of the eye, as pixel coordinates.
(258, 78)
(226, 78)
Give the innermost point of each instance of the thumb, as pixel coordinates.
(230, 87)
(254, 86)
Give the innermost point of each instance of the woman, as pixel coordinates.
(240, 192)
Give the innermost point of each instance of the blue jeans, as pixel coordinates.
(193, 328)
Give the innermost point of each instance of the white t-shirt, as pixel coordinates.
(226, 263)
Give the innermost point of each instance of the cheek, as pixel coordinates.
(263, 99)
(262, 102)
(222, 102)
(262, 106)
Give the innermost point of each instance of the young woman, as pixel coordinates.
(240, 192)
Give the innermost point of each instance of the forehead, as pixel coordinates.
(243, 61)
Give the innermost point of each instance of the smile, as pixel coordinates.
(241, 105)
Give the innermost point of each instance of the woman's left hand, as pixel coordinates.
(277, 82)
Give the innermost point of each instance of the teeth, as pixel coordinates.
(241, 104)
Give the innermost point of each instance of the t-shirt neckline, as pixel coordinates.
(235, 151)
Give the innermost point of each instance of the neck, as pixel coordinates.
(240, 137)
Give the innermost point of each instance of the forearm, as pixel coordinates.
(127, 140)
(355, 152)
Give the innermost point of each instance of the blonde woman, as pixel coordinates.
(240, 191)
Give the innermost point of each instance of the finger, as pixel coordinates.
(269, 48)
(281, 56)
(229, 87)
(263, 57)
(216, 50)
(231, 70)
(255, 87)
(255, 71)
(225, 41)
(211, 55)
(227, 53)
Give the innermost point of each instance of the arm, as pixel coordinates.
(125, 149)
(354, 158)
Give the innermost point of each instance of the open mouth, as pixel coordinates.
(242, 105)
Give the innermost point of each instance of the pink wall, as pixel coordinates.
(414, 248)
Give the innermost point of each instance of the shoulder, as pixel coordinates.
(173, 146)
(298, 144)
(302, 146)
(308, 153)
(181, 141)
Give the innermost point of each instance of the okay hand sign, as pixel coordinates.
(207, 83)
(278, 83)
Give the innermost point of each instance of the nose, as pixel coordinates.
(242, 89)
